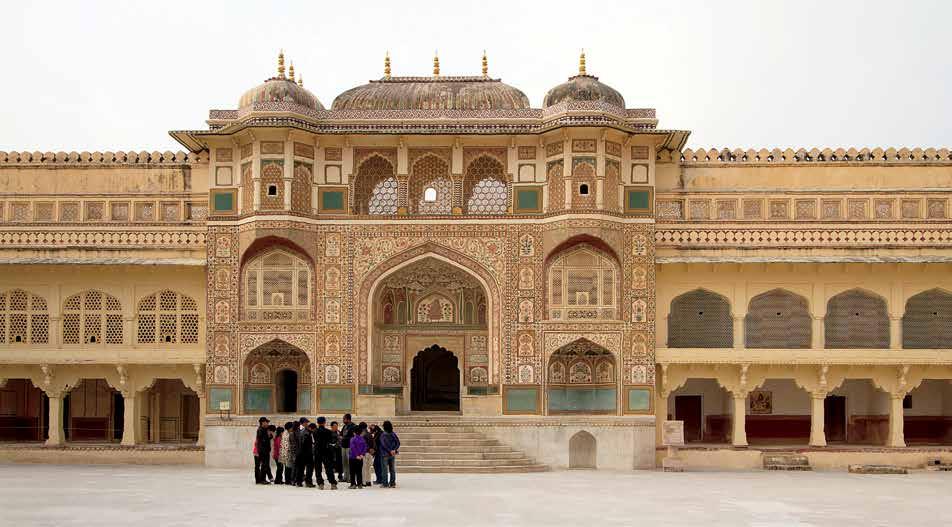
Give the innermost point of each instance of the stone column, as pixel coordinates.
(201, 419)
(896, 433)
(739, 332)
(740, 419)
(818, 419)
(55, 418)
(818, 340)
(895, 332)
(129, 418)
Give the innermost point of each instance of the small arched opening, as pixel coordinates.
(582, 450)
(276, 378)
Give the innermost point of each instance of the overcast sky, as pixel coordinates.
(741, 74)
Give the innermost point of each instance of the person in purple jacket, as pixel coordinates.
(387, 452)
(358, 448)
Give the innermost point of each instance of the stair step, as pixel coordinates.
(449, 442)
(413, 469)
(409, 449)
(407, 456)
(440, 435)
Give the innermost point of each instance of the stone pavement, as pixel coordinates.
(35, 495)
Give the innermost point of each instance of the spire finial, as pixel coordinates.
(485, 65)
(436, 63)
(581, 63)
(386, 65)
(291, 71)
(301, 80)
(281, 64)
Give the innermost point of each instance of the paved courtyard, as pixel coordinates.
(164, 495)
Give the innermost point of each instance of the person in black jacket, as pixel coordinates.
(307, 454)
(324, 457)
(263, 451)
(347, 432)
(301, 458)
(338, 460)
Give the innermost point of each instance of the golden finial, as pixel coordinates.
(581, 63)
(436, 64)
(386, 65)
(485, 65)
(281, 64)
(291, 71)
(301, 80)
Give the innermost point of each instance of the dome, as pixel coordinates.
(432, 93)
(583, 87)
(280, 89)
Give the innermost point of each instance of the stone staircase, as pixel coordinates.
(457, 449)
(786, 461)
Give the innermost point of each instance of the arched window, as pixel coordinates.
(23, 318)
(581, 379)
(277, 286)
(375, 187)
(430, 187)
(167, 317)
(484, 187)
(92, 317)
(778, 319)
(856, 319)
(700, 319)
(927, 323)
(583, 285)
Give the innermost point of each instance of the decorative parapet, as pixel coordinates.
(102, 158)
(102, 239)
(777, 156)
(842, 236)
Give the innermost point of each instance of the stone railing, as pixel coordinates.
(779, 156)
(102, 158)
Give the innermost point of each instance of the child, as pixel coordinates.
(357, 450)
(368, 462)
(279, 455)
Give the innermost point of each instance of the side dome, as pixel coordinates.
(432, 93)
(280, 89)
(583, 88)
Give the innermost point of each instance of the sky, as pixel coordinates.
(119, 75)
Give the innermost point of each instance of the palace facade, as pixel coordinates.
(562, 278)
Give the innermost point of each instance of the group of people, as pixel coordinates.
(344, 452)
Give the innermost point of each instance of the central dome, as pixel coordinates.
(432, 93)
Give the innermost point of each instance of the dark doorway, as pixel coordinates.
(834, 418)
(118, 416)
(435, 381)
(287, 382)
(687, 408)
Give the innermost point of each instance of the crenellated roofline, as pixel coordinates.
(800, 156)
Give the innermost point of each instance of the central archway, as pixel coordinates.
(276, 378)
(434, 381)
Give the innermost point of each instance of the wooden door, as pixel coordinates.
(687, 408)
(834, 418)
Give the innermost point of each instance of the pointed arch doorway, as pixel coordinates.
(435, 381)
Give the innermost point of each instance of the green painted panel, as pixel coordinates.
(304, 401)
(527, 200)
(332, 200)
(257, 400)
(639, 399)
(639, 199)
(218, 395)
(581, 399)
(336, 399)
(522, 400)
(224, 201)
